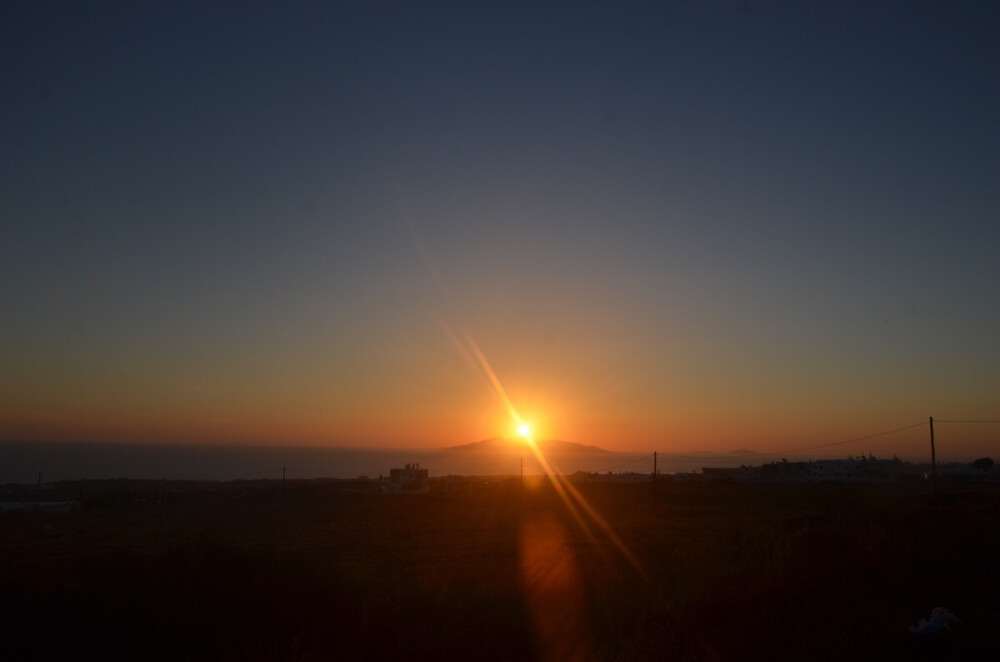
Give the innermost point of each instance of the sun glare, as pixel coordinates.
(524, 429)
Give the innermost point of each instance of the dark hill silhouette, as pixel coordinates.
(549, 446)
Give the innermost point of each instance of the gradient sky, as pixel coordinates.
(666, 226)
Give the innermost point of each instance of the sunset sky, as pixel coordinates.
(664, 226)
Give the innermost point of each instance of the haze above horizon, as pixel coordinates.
(645, 227)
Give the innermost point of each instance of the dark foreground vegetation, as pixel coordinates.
(493, 569)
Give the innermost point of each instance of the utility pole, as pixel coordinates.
(933, 461)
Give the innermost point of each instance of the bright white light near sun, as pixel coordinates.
(523, 429)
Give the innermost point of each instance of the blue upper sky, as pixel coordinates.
(677, 224)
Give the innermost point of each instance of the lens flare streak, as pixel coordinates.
(575, 502)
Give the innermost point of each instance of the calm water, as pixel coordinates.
(21, 462)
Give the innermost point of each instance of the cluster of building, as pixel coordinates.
(859, 469)
(411, 479)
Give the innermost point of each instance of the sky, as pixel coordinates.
(672, 226)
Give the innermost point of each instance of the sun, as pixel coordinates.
(524, 429)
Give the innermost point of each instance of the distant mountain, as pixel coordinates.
(554, 445)
(550, 446)
(496, 443)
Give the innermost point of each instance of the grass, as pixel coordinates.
(498, 570)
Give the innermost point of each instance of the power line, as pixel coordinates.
(940, 421)
(727, 456)
(847, 441)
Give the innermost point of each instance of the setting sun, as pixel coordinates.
(524, 429)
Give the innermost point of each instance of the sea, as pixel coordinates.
(28, 462)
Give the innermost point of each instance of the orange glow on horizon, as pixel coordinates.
(575, 503)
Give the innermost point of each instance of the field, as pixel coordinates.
(497, 569)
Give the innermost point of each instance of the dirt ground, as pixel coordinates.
(501, 569)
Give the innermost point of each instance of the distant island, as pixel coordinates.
(501, 444)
